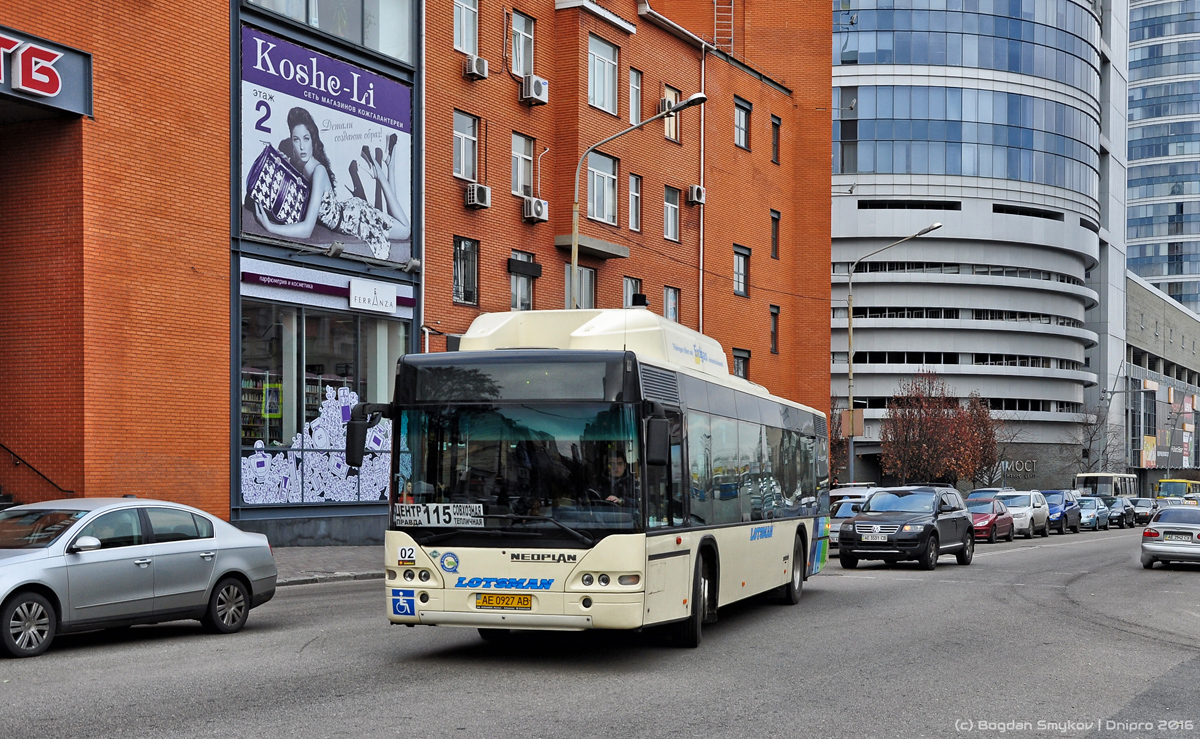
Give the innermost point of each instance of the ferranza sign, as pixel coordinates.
(38, 71)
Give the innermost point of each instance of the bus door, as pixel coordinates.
(668, 565)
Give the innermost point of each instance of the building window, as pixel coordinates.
(522, 165)
(587, 287)
(635, 202)
(602, 188)
(671, 122)
(602, 74)
(466, 145)
(385, 26)
(522, 285)
(776, 124)
(522, 44)
(774, 329)
(741, 363)
(630, 287)
(671, 214)
(671, 304)
(635, 96)
(741, 270)
(775, 234)
(466, 271)
(466, 26)
(741, 123)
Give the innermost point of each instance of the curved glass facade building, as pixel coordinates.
(1163, 228)
(991, 117)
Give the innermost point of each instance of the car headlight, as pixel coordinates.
(1054, 516)
(847, 527)
(909, 527)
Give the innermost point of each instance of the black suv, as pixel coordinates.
(919, 522)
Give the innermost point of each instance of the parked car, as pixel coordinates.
(1143, 509)
(89, 563)
(990, 519)
(1173, 535)
(988, 492)
(845, 508)
(1064, 510)
(1093, 514)
(1030, 512)
(1120, 511)
(914, 522)
(1170, 501)
(856, 492)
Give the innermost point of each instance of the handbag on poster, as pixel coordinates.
(278, 187)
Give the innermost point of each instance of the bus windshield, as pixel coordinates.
(532, 470)
(1171, 488)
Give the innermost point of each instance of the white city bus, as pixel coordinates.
(1107, 484)
(593, 469)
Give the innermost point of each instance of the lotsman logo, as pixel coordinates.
(504, 583)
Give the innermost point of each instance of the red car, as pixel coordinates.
(992, 519)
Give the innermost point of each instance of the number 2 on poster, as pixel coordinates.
(265, 108)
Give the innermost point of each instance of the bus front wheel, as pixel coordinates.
(795, 587)
(687, 632)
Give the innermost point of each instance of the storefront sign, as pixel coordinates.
(289, 284)
(38, 71)
(326, 151)
(373, 296)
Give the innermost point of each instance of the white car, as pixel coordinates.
(1030, 512)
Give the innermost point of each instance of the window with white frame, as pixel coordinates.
(466, 271)
(671, 303)
(635, 96)
(671, 213)
(602, 188)
(635, 202)
(629, 287)
(522, 165)
(602, 74)
(522, 285)
(671, 122)
(466, 26)
(741, 123)
(587, 287)
(741, 270)
(466, 145)
(522, 44)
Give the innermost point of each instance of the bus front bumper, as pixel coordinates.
(514, 620)
(550, 610)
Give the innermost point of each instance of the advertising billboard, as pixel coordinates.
(326, 150)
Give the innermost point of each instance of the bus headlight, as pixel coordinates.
(424, 575)
(587, 580)
(604, 580)
(408, 575)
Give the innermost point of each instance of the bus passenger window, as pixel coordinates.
(699, 467)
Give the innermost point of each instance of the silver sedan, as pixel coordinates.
(1172, 535)
(89, 563)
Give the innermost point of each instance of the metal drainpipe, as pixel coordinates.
(703, 80)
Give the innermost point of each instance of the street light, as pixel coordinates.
(850, 336)
(1171, 435)
(696, 99)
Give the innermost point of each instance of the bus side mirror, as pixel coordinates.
(658, 441)
(362, 417)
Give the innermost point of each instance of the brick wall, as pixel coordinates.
(133, 273)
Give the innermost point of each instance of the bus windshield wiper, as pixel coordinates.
(433, 538)
(578, 535)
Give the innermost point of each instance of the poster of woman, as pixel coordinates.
(326, 151)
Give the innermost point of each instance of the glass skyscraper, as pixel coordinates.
(1004, 120)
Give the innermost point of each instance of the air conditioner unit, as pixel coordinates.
(536, 210)
(695, 195)
(479, 196)
(535, 90)
(475, 68)
(664, 105)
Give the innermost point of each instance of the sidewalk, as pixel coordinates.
(308, 565)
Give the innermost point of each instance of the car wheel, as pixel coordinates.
(1148, 563)
(688, 632)
(929, 557)
(967, 553)
(992, 536)
(1046, 529)
(795, 588)
(28, 625)
(1030, 532)
(1075, 529)
(1012, 533)
(493, 634)
(1062, 527)
(228, 607)
(848, 561)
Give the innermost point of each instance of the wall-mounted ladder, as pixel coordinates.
(723, 25)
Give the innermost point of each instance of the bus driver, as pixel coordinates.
(620, 482)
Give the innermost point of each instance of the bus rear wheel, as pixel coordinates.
(687, 633)
(795, 587)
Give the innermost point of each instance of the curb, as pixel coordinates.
(315, 579)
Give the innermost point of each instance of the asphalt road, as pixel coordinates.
(1060, 636)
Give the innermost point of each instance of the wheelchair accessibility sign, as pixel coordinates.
(403, 603)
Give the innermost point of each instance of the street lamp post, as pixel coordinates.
(850, 337)
(1171, 436)
(696, 99)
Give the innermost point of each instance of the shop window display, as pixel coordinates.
(302, 370)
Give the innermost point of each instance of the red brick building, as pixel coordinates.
(758, 147)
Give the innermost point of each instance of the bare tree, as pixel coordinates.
(838, 447)
(1101, 442)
